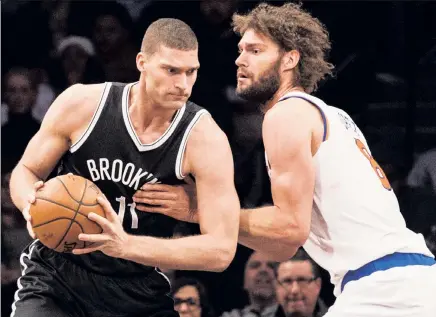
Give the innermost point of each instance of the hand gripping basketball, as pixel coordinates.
(31, 200)
(113, 240)
(59, 210)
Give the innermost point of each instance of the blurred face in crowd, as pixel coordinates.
(430, 239)
(6, 201)
(258, 67)
(20, 95)
(9, 211)
(74, 59)
(187, 302)
(109, 34)
(168, 75)
(217, 11)
(259, 276)
(297, 289)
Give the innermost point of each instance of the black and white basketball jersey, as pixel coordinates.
(111, 155)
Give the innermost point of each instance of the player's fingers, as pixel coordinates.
(156, 187)
(38, 185)
(103, 222)
(93, 237)
(31, 198)
(151, 209)
(151, 202)
(85, 250)
(26, 213)
(30, 230)
(111, 215)
(155, 195)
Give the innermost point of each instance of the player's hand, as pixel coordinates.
(112, 241)
(176, 201)
(31, 200)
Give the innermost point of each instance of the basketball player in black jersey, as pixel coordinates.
(122, 136)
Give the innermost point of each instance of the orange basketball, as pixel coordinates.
(60, 212)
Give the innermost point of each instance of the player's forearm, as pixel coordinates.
(268, 230)
(21, 185)
(202, 252)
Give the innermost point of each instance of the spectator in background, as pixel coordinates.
(20, 93)
(14, 238)
(75, 63)
(298, 284)
(114, 42)
(45, 94)
(423, 173)
(190, 298)
(259, 285)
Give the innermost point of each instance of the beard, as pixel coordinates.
(264, 88)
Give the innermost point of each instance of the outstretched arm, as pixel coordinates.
(281, 229)
(292, 133)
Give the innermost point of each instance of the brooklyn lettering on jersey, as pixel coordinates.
(117, 171)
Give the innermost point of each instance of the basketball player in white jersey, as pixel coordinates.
(330, 195)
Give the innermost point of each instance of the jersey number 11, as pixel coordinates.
(122, 211)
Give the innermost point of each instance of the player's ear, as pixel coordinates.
(140, 61)
(290, 59)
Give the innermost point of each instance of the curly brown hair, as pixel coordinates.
(292, 28)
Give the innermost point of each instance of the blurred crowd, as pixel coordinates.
(385, 58)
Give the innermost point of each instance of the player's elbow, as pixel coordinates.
(283, 253)
(224, 255)
(292, 238)
(300, 235)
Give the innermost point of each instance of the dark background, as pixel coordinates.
(385, 58)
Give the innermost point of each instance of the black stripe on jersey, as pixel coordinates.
(129, 126)
(94, 119)
(180, 154)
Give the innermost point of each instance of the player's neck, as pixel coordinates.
(145, 113)
(283, 90)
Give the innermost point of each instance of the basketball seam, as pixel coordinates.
(66, 188)
(60, 218)
(66, 207)
(75, 214)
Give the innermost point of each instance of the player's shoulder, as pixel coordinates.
(206, 132)
(87, 92)
(75, 105)
(292, 112)
(79, 96)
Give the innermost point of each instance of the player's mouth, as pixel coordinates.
(177, 96)
(241, 75)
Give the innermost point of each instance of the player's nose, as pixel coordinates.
(182, 83)
(241, 61)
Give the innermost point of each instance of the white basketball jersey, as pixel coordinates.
(355, 216)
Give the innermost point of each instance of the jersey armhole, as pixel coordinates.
(321, 111)
(181, 152)
(94, 119)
